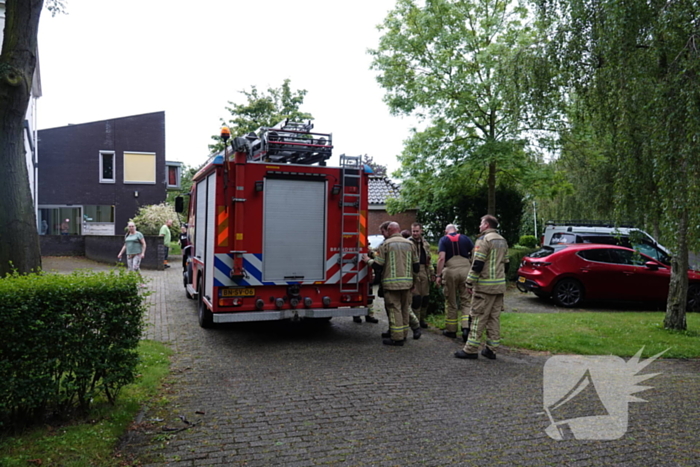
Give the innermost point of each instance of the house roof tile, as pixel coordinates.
(381, 189)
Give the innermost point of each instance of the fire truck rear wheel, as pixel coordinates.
(206, 318)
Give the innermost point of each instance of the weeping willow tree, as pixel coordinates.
(630, 72)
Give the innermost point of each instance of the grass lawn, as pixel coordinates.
(91, 442)
(597, 333)
(175, 248)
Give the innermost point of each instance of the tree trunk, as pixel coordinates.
(19, 248)
(678, 288)
(491, 208)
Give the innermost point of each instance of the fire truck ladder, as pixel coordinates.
(351, 172)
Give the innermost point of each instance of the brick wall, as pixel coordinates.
(62, 245)
(102, 248)
(69, 170)
(376, 217)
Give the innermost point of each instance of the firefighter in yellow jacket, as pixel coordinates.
(398, 263)
(487, 282)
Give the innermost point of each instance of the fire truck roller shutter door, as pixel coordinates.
(200, 220)
(294, 247)
(210, 237)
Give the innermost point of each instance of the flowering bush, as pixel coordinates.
(149, 219)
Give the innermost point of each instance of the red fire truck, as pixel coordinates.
(275, 233)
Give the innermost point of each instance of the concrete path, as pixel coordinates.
(295, 394)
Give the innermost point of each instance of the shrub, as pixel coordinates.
(149, 219)
(515, 256)
(436, 302)
(64, 339)
(528, 241)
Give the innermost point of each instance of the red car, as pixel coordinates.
(571, 273)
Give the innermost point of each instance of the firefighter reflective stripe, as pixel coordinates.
(473, 339)
(253, 266)
(451, 321)
(480, 256)
(222, 226)
(491, 281)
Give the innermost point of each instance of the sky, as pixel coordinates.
(109, 59)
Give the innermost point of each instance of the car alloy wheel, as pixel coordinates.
(568, 293)
(693, 298)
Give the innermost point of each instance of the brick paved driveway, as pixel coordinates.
(295, 395)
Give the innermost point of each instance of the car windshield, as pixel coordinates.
(652, 252)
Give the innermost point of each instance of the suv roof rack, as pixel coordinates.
(589, 223)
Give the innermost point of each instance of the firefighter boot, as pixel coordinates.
(449, 334)
(357, 319)
(488, 353)
(417, 333)
(463, 354)
(465, 331)
(371, 319)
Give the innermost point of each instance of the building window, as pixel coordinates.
(98, 220)
(172, 174)
(140, 167)
(107, 167)
(98, 213)
(60, 220)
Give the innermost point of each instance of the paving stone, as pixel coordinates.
(332, 394)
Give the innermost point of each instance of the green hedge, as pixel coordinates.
(528, 241)
(516, 255)
(436, 302)
(66, 340)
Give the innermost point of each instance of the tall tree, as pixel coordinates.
(263, 109)
(634, 71)
(186, 177)
(19, 248)
(446, 61)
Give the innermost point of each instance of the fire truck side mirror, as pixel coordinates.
(179, 205)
